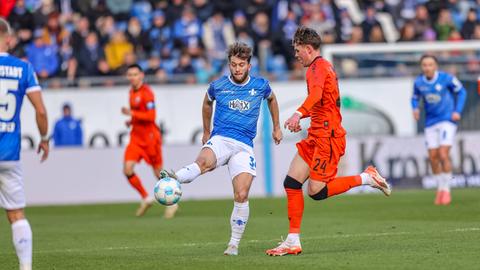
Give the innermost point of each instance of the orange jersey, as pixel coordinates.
(322, 104)
(142, 106)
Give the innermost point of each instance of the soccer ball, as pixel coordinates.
(167, 191)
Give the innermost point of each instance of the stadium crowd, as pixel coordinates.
(185, 40)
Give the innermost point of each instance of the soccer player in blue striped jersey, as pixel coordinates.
(238, 98)
(443, 97)
(17, 79)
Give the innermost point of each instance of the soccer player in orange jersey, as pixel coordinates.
(145, 137)
(318, 155)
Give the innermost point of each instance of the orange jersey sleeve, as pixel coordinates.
(322, 104)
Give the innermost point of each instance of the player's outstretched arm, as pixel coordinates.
(207, 111)
(42, 122)
(274, 112)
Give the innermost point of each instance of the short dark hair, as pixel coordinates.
(240, 50)
(307, 36)
(425, 56)
(135, 66)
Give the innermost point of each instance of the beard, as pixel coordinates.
(241, 80)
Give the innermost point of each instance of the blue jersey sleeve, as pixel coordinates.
(461, 94)
(268, 90)
(32, 81)
(211, 92)
(415, 97)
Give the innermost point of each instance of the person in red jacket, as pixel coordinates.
(145, 137)
(318, 155)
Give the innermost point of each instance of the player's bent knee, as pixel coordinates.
(321, 195)
(241, 196)
(291, 183)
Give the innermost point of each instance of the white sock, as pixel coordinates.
(440, 182)
(22, 240)
(188, 173)
(445, 181)
(366, 179)
(238, 221)
(294, 238)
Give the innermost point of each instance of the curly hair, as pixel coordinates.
(307, 36)
(240, 50)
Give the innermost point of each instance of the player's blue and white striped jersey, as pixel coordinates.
(237, 107)
(442, 95)
(16, 79)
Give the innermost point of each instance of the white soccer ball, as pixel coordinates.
(167, 191)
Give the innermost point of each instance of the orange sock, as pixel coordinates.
(137, 184)
(342, 184)
(295, 208)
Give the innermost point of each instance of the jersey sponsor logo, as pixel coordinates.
(240, 105)
(252, 92)
(433, 98)
(423, 88)
(226, 91)
(7, 127)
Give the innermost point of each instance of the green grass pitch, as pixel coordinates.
(405, 231)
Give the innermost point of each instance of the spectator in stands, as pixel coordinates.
(254, 7)
(345, 26)
(142, 10)
(68, 130)
(283, 37)
(369, 22)
(135, 36)
(187, 30)
(469, 24)
(105, 26)
(421, 22)
(174, 11)
(357, 35)
(21, 19)
(240, 23)
(262, 37)
(318, 22)
(119, 8)
(444, 25)
(82, 28)
(156, 69)
(407, 33)
(376, 35)
(88, 56)
(159, 37)
(41, 14)
(204, 9)
(116, 49)
(53, 32)
(218, 34)
(44, 57)
(185, 68)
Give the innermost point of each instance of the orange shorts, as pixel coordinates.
(152, 154)
(322, 155)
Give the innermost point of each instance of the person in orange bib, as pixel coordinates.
(145, 137)
(318, 155)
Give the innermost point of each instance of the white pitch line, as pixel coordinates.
(335, 236)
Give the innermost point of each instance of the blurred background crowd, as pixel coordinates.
(73, 42)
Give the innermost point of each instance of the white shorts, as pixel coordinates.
(12, 194)
(440, 134)
(238, 156)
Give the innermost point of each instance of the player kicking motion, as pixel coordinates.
(17, 79)
(238, 99)
(318, 155)
(444, 98)
(145, 137)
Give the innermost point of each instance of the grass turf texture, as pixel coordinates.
(405, 231)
